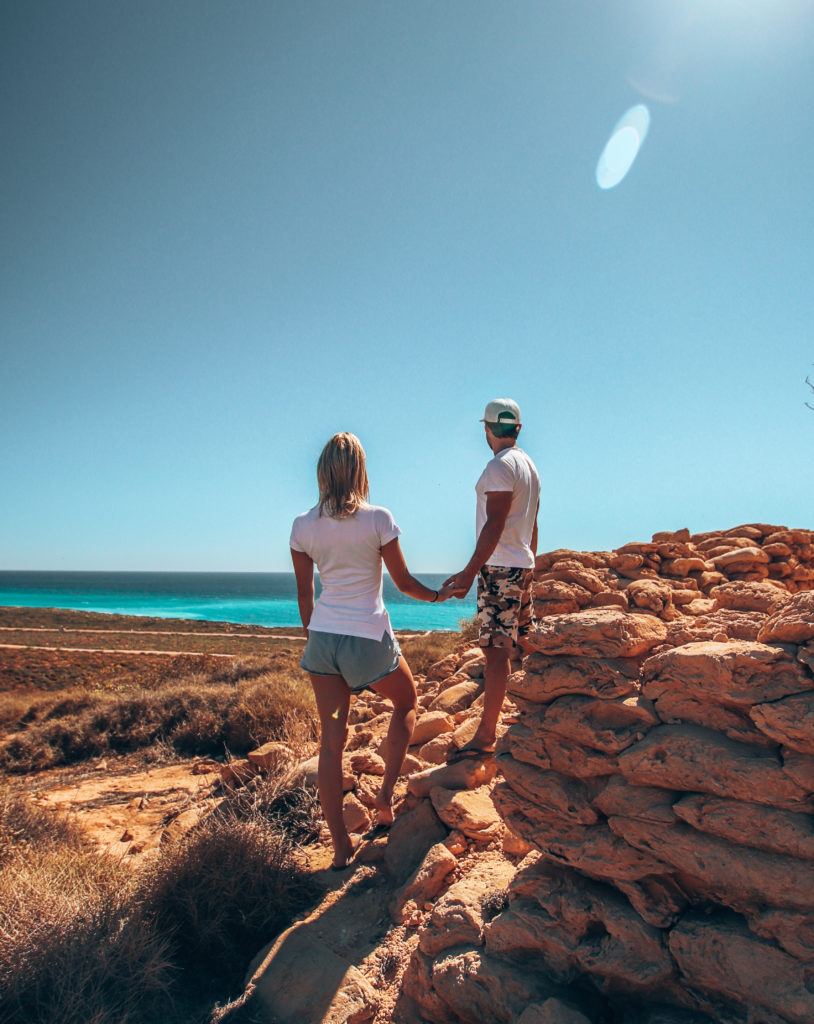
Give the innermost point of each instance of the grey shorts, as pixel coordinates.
(360, 662)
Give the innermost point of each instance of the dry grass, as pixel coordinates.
(74, 947)
(235, 706)
(83, 939)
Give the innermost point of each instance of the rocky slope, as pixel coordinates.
(642, 847)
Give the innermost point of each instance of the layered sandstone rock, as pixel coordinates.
(661, 768)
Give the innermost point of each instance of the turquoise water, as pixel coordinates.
(256, 598)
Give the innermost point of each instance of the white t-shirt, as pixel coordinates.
(511, 470)
(347, 553)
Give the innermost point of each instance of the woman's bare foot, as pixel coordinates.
(343, 855)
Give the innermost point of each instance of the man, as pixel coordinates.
(508, 499)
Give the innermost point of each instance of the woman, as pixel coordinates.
(351, 645)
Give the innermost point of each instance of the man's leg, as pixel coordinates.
(495, 678)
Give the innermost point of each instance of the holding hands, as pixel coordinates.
(456, 586)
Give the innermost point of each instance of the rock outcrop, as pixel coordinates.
(641, 848)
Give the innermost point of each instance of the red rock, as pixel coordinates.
(794, 623)
(694, 759)
(721, 956)
(442, 669)
(675, 707)
(789, 721)
(647, 803)
(653, 595)
(736, 876)
(683, 566)
(467, 774)
(749, 824)
(425, 882)
(457, 916)
(658, 900)
(411, 835)
(749, 597)
(604, 725)
(610, 599)
(459, 694)
(429, 725)
(792, 930)
(578, 926)
(551, 791)
(592, 849)
(478, 988)
(548, 750)
(470, 811)
(543, 678)
(600, 632)
(739, 673)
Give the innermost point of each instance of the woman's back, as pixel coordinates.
(347, 553)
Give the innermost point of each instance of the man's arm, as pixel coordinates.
(533, 541)
(498, 504)
(304, 571)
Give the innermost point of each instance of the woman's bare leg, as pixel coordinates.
(399, 688)
(333, 702)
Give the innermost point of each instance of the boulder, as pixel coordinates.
(566, 797)
(578, 926)
(479, 988)
(792, 930)
(654, 595)
(749, 597)
(741, 559)
(789, 721)
(749, 824)
(647, 803)
(461, 692)
(734, 876)
(270, 756)
(738, 673)
(550, 751)
(302, 979)
(675, 706)
(470, 811)
(543, 678)
(430, 725)
(591, 849)
(597, 632)
(694, 759)
(603, 725)
(793, 623)
(411, 836)
(467, 774)
(423, 884)
(457, 916)
(721, 956)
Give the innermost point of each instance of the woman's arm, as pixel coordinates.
(304, 571)
(400, 575)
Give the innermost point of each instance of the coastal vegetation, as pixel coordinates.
(88, 936)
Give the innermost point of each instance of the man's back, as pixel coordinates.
(511, 470)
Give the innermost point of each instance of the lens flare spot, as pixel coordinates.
(622, 147)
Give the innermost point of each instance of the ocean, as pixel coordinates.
(253, 598)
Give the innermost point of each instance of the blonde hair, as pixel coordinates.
(342, 476)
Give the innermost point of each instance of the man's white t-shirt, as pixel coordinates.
(511, 470)
(347, 553)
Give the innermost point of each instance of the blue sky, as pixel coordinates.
(232, 229)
